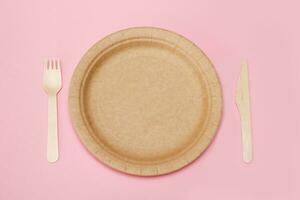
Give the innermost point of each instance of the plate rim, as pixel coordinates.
(100, 154)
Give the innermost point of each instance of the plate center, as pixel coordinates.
(144, 102)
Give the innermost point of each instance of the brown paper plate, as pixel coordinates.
(145, 101)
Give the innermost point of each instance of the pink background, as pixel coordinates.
(266, 33)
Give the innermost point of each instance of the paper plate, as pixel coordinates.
(145, 101)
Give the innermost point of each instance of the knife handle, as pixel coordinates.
(246, 136)
(243, 105)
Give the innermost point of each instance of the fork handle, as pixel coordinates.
(52, 147)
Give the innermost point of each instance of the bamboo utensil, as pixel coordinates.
(243, 105)
(52, 85)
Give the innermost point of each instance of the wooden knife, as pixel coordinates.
(243, 105)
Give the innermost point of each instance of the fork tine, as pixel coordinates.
(50, 65)
(58, 64)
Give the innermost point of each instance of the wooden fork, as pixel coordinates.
(52, 85)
